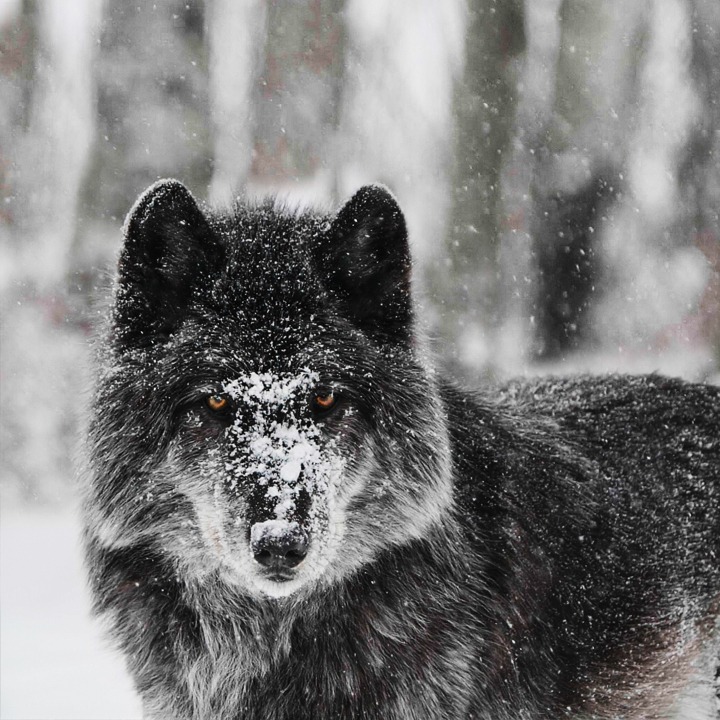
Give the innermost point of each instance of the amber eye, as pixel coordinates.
(217, 403)
(323, 401)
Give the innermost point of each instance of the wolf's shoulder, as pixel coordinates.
(621, 427)
(586, 393)
(620, 409)
(609, 409)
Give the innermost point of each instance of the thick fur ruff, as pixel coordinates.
(290, 515)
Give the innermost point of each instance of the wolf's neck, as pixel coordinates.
(398, 595)
(410, 616)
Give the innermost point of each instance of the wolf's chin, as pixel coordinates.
(257, 585)
(276, 590)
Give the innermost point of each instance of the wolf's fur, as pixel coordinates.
(551, 549)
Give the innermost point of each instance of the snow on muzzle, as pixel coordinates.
(286, 470)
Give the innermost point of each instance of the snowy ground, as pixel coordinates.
(54, 662)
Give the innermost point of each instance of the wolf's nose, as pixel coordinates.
(278, 544)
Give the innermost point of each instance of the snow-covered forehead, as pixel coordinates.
(270, 389)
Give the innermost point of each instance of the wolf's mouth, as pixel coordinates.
(279, 568)
(279, 576)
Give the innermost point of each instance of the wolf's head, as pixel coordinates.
(264, 413)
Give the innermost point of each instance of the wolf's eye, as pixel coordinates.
(217, 403)
(323, 401)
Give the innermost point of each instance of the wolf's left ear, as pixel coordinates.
(168, 254)
(365, 259)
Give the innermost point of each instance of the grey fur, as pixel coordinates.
(548, 549)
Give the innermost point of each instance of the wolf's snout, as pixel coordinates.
(278, 544)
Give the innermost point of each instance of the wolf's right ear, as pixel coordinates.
(169, 250)
(365, 259)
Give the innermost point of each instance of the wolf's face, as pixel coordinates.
(266, 416)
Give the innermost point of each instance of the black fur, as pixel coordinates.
(549, 549)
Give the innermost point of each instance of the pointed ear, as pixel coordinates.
(365, 259)
(169, 251)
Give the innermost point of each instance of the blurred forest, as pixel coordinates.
(558, 162)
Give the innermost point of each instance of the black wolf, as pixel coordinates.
(290, 514)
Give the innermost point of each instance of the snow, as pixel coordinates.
(235, 31)
(60, 137)
(290, 471)
(282, 447)
(273, 529)
(396, 123)
(55, 661)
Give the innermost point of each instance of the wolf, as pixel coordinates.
(290, 513)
